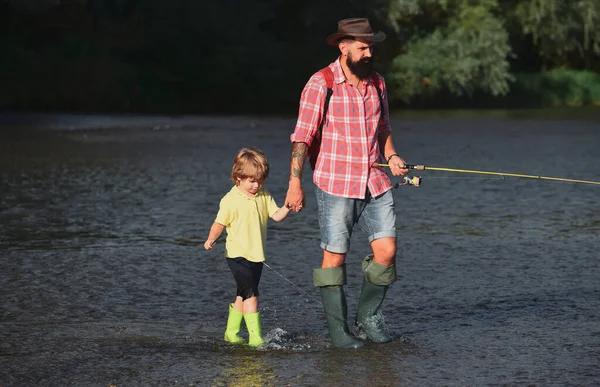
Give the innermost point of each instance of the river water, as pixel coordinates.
(104, 280)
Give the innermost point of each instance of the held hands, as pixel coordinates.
(295, 199)
(397, 165)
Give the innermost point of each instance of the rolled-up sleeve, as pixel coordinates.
(311, 110)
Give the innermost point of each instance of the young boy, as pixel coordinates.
(244, 212)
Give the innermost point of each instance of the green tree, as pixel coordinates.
(456, 46)
(565, 32)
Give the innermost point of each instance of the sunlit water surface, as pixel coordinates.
(104, 280)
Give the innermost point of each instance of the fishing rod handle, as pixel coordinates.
(407, 166)
(415, 167)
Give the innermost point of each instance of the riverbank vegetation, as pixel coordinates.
(254, 56)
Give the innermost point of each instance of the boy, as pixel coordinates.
(244, 212)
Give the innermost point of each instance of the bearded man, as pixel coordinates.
(351, 188)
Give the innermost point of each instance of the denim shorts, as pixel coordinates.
(337, 216)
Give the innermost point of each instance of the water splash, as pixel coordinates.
(376, 321)
(281, 339)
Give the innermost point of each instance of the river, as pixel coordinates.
(104, 280)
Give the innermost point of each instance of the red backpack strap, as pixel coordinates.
(313, 151)
(328, 74)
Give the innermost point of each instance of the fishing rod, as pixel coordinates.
(503, 174)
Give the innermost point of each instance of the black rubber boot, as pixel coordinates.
(334, 304)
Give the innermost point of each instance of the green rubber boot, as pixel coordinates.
(234, 322)
(254, 331)
(330, 281)
(375, 283)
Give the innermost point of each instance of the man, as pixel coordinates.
(350, 189)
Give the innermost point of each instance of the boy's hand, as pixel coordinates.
(209, 244)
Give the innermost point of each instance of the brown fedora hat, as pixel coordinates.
(357, 28)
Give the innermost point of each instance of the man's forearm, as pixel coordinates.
(299, 153)
(386, 145)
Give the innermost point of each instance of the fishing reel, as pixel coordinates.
(411, 181)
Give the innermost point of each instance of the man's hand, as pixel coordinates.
(398, 166)
(295, 199)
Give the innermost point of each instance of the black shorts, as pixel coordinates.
(247, 276)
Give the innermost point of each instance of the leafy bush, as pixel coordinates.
(558, 87)
(467, 52)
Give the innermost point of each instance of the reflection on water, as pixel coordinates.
(246, 370)
(104, 279)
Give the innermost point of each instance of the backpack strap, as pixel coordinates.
(375, 80)
(315, 146)
(328, 74)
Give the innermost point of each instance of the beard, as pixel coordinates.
(362, 68)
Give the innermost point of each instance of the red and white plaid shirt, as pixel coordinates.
(350, 138)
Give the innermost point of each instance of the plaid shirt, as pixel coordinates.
(350, 138)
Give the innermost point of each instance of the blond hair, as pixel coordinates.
(250, 163)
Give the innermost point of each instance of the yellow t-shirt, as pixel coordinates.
(245, 220)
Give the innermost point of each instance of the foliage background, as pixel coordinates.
(254, 56)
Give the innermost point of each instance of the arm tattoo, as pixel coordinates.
(298, 157)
